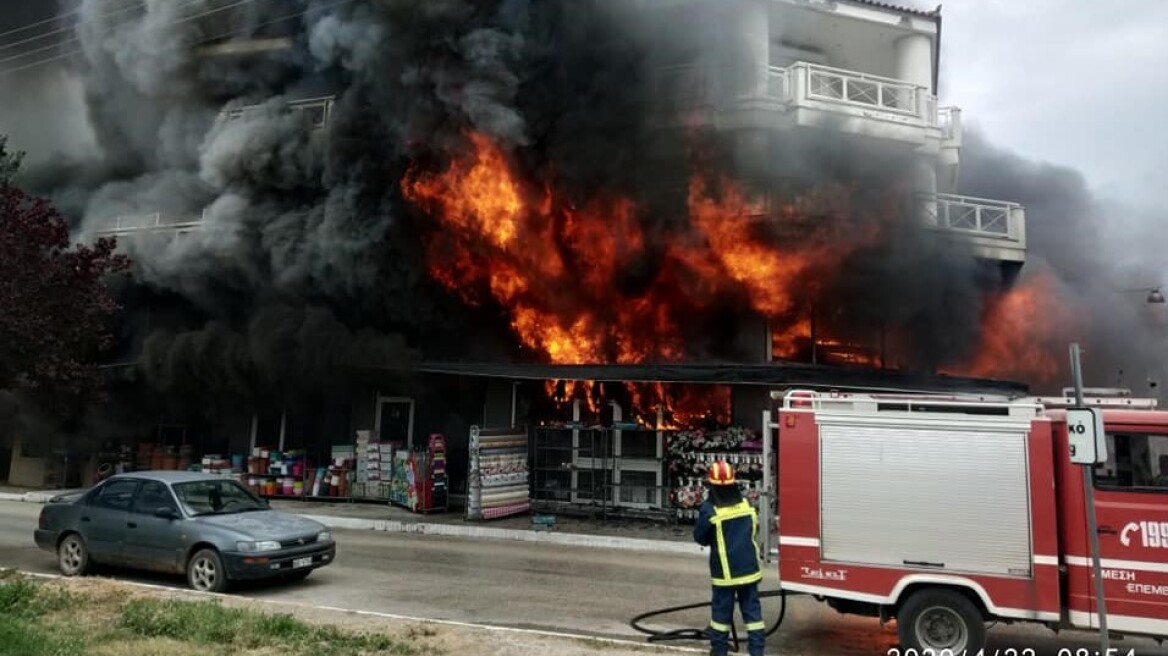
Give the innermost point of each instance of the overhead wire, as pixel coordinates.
(180, 21)
(67, 28)
(22, 28)
(206, 40)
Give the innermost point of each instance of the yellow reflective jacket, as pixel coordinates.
(731, 532)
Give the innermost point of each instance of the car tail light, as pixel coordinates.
(41, 522)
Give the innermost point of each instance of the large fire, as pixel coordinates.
(1022, 334)
(571, 277)
(560, 270)
(658, 406)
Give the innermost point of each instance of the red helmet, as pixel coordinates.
(721, 473)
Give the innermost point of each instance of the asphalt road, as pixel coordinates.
(529, 585)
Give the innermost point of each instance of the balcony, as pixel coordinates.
(155, 223)
(949, 120)
(319, 110)
(807, 95)
(995, 228)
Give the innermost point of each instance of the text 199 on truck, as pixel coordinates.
(948, 513)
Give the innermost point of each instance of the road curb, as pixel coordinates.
(487, 533)
(29, 497)
(450, 530)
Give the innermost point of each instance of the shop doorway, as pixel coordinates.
(395, 420)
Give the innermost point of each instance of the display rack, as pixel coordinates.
(375, 466)
(291, 475)
(419, 481)
(497, 473)
(690, 455)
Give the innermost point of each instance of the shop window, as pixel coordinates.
(1135, 461)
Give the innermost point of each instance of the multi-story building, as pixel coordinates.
(857, 77)
(781, 72)
(773, 77)
(789, 80)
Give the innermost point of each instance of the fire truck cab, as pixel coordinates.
(946, 513)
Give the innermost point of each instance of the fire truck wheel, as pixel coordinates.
(937, 619)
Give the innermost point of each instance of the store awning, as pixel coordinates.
(769, 374)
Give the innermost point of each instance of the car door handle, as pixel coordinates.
(131, 525)
(1106, 530)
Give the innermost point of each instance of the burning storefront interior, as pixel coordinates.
(363, 220)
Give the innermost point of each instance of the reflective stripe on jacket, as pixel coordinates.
(731, 534)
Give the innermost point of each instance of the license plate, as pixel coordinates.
(301, 562)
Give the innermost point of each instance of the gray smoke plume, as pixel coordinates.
(1103, 255)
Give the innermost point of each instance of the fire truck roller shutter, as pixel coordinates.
(926, 491)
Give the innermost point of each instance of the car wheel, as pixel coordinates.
(938, 620)
(205, 572)
(73, 556)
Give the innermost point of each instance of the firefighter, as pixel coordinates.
(728, 524)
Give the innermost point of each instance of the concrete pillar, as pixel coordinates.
(743, 72)
(747, 46)
(924, 186)
(914, 64)
(914, 60)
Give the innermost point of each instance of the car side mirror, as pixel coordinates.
(166, 513)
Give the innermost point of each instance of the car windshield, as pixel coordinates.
(216, 497)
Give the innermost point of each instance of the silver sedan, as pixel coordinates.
(208, 527)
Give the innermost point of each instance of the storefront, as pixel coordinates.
(489, 440)
(636, 441)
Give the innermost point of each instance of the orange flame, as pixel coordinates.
(523, 249)
(561, 269)
(500, 244)
(656, 406)
(1022, 332)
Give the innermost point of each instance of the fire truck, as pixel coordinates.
(945, 513)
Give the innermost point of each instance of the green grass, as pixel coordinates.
(207, 622)
(24, 599)
(38, 619)
(23, 604)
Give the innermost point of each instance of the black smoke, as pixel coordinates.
(1103, 254)
(311, 261)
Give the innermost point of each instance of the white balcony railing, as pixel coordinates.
(778, 84)
(980, 216)
(319, 110)
(800, 85)
(155, 222)
(949, 120)
(838, 86)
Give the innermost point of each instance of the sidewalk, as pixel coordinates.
(637, 535)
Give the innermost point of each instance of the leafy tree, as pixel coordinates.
(9, 162)
(55, 307)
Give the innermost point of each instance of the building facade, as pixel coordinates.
(857, 78)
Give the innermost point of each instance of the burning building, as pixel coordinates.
(414, 216)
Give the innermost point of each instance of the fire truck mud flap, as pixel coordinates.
(940, 620)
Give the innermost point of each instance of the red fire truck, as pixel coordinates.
(946, 513)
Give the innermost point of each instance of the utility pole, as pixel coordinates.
(1089, 493)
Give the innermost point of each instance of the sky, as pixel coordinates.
(1077, 83)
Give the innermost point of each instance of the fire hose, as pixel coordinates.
(700, 634)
